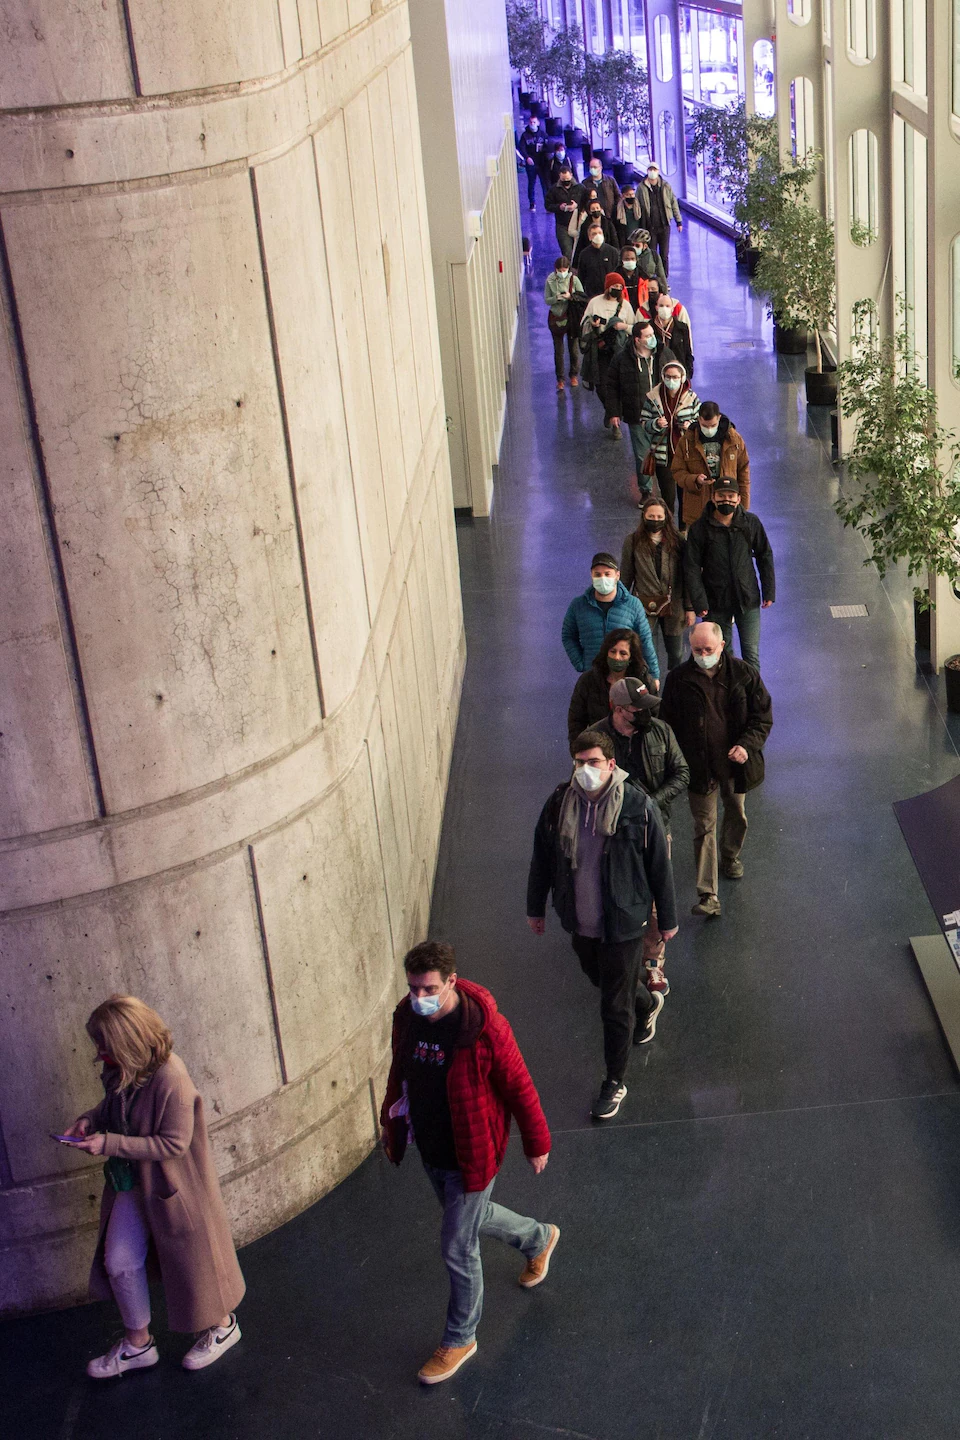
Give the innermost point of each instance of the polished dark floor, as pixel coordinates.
(766, 1241)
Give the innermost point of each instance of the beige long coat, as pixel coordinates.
(181, 1198)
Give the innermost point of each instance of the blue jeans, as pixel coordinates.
(748, 631)
(466, 1216)
(641, 444)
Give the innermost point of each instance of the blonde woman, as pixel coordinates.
(161, 1202)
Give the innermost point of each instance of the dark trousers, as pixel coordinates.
(573, 345)
(667, 487)
(533, 175)
(616, 972)
(603, 364)
(660, 241)
(565, 241)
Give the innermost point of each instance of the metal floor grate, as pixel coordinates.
(741, 345)
(849, 612)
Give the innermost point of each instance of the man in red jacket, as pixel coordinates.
(456, 1079)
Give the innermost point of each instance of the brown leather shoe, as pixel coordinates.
(445, 1362)
(536, 1269)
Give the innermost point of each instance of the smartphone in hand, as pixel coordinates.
(67, 1139)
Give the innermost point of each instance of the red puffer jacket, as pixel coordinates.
(487, 1083)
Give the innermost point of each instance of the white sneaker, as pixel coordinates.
(123, 1356)
(211, 1345)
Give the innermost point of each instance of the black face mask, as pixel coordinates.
(653, 526)
(726, 507)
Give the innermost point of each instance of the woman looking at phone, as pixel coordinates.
(161, 1201)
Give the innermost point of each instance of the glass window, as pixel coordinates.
(910, 230)
(802, 134)
(909, 36)
(593, 26)
(763, 97)
(829, 146)
(955, 277)
(664, 47)
(799, 11)
(864, 165)
(861, 30)
(668, 142)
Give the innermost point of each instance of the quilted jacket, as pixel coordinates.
(488, 1083)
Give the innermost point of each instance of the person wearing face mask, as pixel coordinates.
(649, 264)
(532, 149)
(600, 851)
(456, 1081)
(606, 606)
(594, 262)
(721, 713)
(607, 323)
(670, 408)
(607, 189)
(636, 284)
(658, 205)
(620, 654)
(651, 567)
(646, 748)
(632, 375)
(727, 549)
(628, 214)
(585, 222)
(710, 451)
(673, 333)
(561, 293)
(560, 161)
(563, 203)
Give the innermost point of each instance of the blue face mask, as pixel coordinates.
(427, 1004)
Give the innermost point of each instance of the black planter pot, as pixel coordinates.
(921, 627)
(952, 677)
(554, 126)
(834, 432)
(790, 341)
(821, 385)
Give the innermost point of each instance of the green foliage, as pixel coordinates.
(562, 64)
(618, 90)
(797, 270)
(861, 234)
(525, 28)
(907, 505)
(741, 159)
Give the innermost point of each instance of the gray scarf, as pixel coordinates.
(606, 812)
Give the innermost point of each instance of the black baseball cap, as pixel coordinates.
(603, 557)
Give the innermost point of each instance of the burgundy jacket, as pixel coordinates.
(487, 1083)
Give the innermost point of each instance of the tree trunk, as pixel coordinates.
(816, 341)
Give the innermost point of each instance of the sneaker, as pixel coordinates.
(657, 982)
(645, 1035)
(574, 382)
(559, 386)
(445, 1362)
(533, 209)
(706, 905)
(536, 1269)
(122, 1357)
(608, 1102)
(211, 1345)
(615, 433)
(733, 869)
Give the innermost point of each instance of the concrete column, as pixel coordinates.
(229, 598)
(666, 95)
(799, 54)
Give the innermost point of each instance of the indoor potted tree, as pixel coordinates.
(525, 45)
(797, 273)
(617, 91)
(905, 465)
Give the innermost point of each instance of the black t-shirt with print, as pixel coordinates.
(430, 1051)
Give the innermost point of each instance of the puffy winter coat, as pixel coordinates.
(588, 621)
(749, 719)
(718, 562)
(627, 383)
(488, 1083)
(653, 760)
(690, 460)
(635, 870)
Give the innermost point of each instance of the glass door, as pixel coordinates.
(712, 77)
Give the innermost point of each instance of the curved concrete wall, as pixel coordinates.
(230, 625)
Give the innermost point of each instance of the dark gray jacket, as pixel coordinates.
(653, 760)
(718, 563)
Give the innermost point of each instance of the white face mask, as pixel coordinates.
(708, 431)
(596, 240)
(604, 584)
(595, 173)
(707, 662)
(629, 266)
(671, 383)
(590, 777)
(663, 311)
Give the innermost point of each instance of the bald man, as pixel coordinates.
(721, 713)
